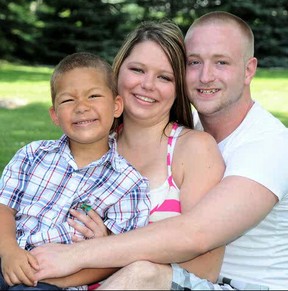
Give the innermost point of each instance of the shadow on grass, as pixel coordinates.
(16, 72)
(282, 117)
(272, 73)
(23, 125)
(10, 75)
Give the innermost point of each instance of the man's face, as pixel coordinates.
(215, 75)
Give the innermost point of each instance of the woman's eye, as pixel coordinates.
(166, 78)
(138, 70)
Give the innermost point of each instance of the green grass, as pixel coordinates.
(32, 122)
(270, 88)
(27, 123)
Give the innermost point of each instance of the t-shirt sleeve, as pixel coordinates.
(264, 161)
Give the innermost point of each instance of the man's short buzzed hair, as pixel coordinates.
(223, 17)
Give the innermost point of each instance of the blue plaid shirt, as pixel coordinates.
(42, 182)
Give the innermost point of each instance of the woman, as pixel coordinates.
(156, 132)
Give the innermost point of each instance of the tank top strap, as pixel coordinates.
(176, 130)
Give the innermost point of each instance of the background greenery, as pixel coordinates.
(39, 33)
(44, 31)
(32, 122)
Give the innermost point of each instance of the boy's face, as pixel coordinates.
(84, 106)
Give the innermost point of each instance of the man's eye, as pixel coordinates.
(192, 62)
(222, 63)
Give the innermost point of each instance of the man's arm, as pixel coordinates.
(231, 208)
(83, 277)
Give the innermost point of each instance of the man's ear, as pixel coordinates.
(119, 106)
(250, 72)
(53, 115)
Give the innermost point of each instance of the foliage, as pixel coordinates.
(44, 31)
(79, 25)
(17, 29)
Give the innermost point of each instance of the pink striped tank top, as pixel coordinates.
(165, 200)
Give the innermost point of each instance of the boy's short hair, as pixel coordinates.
(83, 60)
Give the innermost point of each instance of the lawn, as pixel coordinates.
(270, 88)
(32, 122)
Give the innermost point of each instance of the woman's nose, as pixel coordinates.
(147, 82)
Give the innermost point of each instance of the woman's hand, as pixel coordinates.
(93, 225)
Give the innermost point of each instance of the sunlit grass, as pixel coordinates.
(27, 123)
(25, 82)
(270, 88)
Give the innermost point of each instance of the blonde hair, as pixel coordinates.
(226, 18)
(170, 38)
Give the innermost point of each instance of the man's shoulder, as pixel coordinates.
(258, 125)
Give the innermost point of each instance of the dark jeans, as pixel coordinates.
(20, 287)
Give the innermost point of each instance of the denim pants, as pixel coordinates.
(20, 287)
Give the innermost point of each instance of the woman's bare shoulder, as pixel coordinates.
(194, 139)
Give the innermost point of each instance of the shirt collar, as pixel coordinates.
(62, 147)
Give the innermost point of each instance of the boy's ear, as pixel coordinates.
(119, 106)
(53, 115)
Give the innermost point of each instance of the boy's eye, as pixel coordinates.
(66, 101)
(94, 96)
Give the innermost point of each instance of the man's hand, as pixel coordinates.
(55, 260)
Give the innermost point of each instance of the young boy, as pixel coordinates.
(82, 169)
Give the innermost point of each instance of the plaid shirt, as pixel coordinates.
(42, 182)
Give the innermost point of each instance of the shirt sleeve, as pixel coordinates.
(131, 210)
(264, 161)
(60, 233)
(14, 179)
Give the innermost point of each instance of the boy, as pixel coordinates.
(82, 169)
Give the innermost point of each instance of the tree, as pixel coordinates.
(47, 30)
(78, 25)
(17, 29)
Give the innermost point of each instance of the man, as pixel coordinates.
(247, 210)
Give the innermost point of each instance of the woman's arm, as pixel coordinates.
(201, 168)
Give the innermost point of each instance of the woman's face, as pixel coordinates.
(147, 84)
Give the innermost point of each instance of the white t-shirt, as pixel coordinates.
(258, 150)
